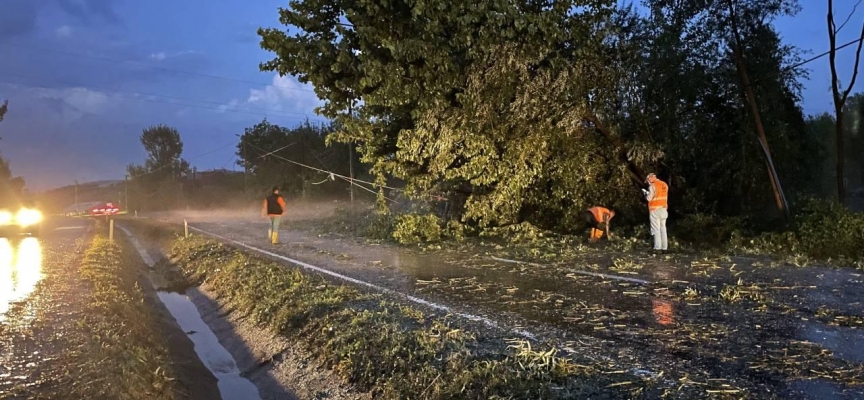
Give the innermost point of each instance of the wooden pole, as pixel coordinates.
(185, 229)
(111, 230)
(737, 53)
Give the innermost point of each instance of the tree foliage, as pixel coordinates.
(533, 111)
(11, 187)
(264, 149)
(156, 182)
(3, 108)
(823, 128)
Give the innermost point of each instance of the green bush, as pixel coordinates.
(705, 230)
(822, 230)
(414, 228)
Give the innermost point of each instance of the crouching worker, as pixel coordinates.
(274, 208)
(598, 219)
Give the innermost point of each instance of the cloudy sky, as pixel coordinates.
(83, 78)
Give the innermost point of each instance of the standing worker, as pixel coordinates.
(658, 204)
(598, 218)
(274, 208)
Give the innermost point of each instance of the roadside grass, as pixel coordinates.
(392, 350)
(121, 355)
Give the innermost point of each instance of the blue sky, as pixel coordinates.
(78, 75)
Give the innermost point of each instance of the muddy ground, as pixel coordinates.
(737, 326)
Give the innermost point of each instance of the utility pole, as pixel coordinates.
(245, 168)
(76, 195)
(126, 201)
(737, 53)
(351, 155)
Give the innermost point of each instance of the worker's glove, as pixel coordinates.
(644, 192)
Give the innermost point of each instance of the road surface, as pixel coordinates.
(39, 291)
(731, 325)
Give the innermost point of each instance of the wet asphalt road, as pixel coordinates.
(795, 333)
(39, 308)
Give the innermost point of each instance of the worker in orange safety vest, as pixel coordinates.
(657, 195)
(598, 219)
(274, 209)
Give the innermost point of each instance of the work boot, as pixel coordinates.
(275, 238)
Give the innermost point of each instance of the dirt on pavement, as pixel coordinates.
(730, 324)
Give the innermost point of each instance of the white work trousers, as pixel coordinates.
(658, 228)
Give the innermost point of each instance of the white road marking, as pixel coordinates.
(580, 272)
(381, 289)
(520, 332)
(69, 228)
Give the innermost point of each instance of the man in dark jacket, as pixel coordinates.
(274, 208)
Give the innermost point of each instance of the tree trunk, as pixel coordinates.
(841, 158)
(840, 98)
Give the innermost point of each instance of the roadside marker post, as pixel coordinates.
(111, 230)
(185, 228)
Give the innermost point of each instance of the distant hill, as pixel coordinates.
(200, 188)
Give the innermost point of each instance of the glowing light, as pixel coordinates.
(27, 217)
(20, 271)
(5, 218)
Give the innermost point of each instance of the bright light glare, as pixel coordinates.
(5, 218)
(19, 273)
(27, 217)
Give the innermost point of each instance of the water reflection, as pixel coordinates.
(20, 271)
(663, 312)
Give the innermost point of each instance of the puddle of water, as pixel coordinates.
(216, 358)
(210, 351)
(20, 271)
(818, 389)
(844, 342)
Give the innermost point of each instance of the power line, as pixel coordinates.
(350, 180)
(805, 62)
(116, 61)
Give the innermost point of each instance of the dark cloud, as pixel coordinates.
(18, 17)
(90, 10)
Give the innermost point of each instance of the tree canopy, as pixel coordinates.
(264, 150)
(164, 150)
(536, 110)
(157, 183)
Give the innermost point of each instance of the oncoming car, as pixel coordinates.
(20, 218)
(104, 209)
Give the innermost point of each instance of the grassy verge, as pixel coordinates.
(122, 355)
(389, 349)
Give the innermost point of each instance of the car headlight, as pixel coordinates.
(5, 218)
(27, 217)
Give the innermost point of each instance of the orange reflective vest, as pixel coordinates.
(661, 196)
(600, 213)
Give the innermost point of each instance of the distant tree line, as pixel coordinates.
(10, 186)
(298, 160)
